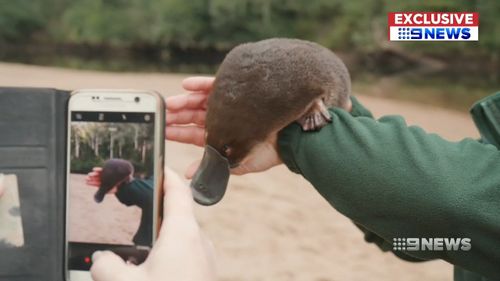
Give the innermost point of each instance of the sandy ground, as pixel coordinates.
(108, 222)
(274, 225)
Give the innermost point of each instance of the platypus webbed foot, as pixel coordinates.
(316, 117)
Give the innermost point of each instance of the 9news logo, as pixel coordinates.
(431, 244)
(433, 26)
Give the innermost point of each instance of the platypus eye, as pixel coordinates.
(227, 150)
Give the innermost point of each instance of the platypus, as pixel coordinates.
(114, 172)
(259, 89)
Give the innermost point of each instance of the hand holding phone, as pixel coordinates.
(182, 252)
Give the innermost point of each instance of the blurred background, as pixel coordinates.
(272, 225)
(93, 143)
(193, 36)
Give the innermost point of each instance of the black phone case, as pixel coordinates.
(33, 147)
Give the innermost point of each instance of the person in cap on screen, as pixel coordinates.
(114, 174)
(117, 177)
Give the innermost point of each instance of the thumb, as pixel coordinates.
(192, 169)
(107, 266)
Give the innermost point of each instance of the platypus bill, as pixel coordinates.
(259, 89)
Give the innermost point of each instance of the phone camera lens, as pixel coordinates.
(137, 99)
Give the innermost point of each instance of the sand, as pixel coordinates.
(274, 225)
(108, 222)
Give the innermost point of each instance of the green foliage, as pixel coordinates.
(20, 20)
(83, 166)
(93, 143)
(357, 26)
(104, 22)
(178, 22)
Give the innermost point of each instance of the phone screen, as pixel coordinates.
(111, 186)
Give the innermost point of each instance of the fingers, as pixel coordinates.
(189, 109)
(94, 178)
(93, 182)
(186, 134)
(107, 266)
(192, 169)
(178, 199)
(94, 174)
(97, 169)
(240, 170)
(198, 83)
(187, 117)
(190, 101)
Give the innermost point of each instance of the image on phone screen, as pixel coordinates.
(111, 186)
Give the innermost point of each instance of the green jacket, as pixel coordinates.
(140, 192)
(397, 181)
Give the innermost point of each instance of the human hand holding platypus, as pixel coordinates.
(259, 89)
(191, 109)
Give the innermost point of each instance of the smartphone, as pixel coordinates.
(114, 176)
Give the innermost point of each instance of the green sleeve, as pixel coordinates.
(399, 181)
(359, 110)
(138, 192)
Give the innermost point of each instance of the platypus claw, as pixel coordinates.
(316, 118)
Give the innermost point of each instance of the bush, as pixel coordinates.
(84, 166)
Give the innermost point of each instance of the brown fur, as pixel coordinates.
(262, 87)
